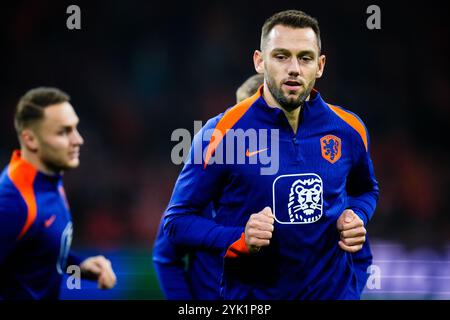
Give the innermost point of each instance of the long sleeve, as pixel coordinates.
(196, 187)
(362, 186)
(74, 258)
(169, 263)
(12, 220)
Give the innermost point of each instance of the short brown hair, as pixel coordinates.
(249, 87)
(32, 104)
(293, 19)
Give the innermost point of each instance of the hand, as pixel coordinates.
(258, 230)
(353, 233)
(99, 268)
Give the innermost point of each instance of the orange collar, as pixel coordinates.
(19, 166)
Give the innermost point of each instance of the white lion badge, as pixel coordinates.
(304, 201)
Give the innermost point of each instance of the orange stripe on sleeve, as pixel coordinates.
(228, 120)
(22, 174)
(238, 247)
(353, 122)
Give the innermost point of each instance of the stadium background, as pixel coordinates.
(138, 70)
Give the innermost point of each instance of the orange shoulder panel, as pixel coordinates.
(352, 121)
(22, 174)
(227, 122)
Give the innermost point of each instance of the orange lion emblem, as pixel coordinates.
(331, 148)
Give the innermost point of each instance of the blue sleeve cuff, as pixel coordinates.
(75, 259)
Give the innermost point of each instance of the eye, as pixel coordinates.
(306, 58)
(64, 131)
(280, 57)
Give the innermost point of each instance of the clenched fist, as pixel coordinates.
(258, 230)
(352, 231)
(99, 268)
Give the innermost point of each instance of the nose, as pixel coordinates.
(77, 138)
(294, 68)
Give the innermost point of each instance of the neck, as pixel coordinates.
(292, 116)
(33, 159)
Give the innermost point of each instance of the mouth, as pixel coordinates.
(74, 154)
(292, 85)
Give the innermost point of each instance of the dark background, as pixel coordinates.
(137, 70)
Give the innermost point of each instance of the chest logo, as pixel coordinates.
(298, 198)
(253, 153)
(331, 148)
(49, 221)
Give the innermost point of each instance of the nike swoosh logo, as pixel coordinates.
(49, 221)
(249, 154)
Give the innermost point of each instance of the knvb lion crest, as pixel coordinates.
(305, 200)
(331, 148)
(298, 198)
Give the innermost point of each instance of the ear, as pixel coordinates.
(258, 61)
(29, 140)
(321, 64)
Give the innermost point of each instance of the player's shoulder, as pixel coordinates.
(218, 126)
(344, 112)
(207, 130)
(351, 121)
(13, 208)
(212, 122)
(228, 118)
(7, 187)
(12, 203)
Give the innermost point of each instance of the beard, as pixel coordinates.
(55, 161)
(58, 165)
(288, 104)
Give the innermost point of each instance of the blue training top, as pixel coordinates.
(35, 232)
(308, 178)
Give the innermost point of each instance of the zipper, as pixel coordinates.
(296, 144)
(293, 135)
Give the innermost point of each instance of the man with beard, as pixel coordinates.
(199, 278)
(290, 234)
